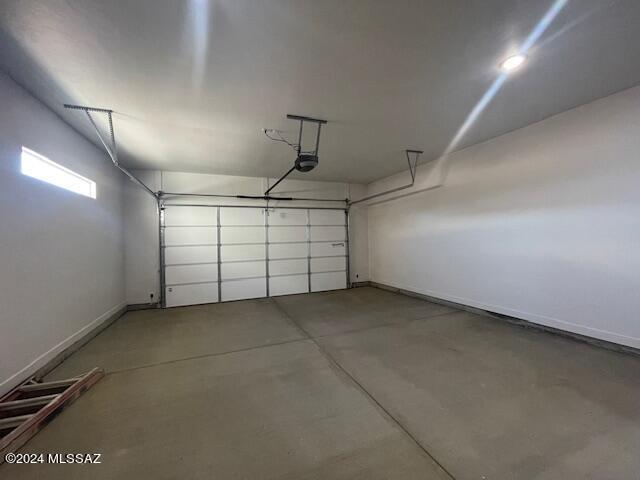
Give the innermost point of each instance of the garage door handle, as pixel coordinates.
(337, 244)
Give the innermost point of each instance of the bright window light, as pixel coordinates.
(35, 165)
(512, 63)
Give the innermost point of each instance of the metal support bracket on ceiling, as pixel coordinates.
(302, 157)
(111, 148)
(412, 171)
(112, 151)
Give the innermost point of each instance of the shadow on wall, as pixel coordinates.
(42, 79)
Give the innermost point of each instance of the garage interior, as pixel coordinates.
(338, 239)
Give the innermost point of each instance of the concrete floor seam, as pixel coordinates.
(206, 355)
(390, 324)
(303, 332)
(366, 393)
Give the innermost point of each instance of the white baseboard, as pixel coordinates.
(42, 360)
(543, 320)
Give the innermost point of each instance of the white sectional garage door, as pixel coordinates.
(213, 254)
(242, 253)
(328, 250)
(288, 251)
(190, 247)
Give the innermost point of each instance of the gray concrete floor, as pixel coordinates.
(362, 383)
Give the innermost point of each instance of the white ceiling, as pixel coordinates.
(193, 83)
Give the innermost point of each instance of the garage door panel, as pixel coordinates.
(326, 217)
(328, 281)
(328, 233)
(190, 254)
(243, 270)
(180, 216)
(190, 235)
(328, 249)
(328, 264)
(288, 285)
(242, 235)
(195, 294)
(284, 267)
(288, 234)
(241, 216)
(191, 273)
(242, 252)
(287, 217)
(244, 289)
(292, 250)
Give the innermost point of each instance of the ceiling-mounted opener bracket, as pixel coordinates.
(111, 147)
(305, 161)
(412, 171)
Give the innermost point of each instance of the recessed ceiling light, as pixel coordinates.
(512, 63)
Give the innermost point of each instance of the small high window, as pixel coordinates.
(37, 166)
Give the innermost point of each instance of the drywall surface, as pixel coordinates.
(141, 240)
(61, 254)
(358, 237)
(141, 217)
(542, 224)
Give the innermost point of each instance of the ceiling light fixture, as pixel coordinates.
(512, 63)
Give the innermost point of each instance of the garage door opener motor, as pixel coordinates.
(305, 160)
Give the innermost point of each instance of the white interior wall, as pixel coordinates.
(61, 254)
(142, 255)
(359, 237)
(541, 224)
(141, 218)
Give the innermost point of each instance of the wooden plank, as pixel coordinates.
(44, 388)
(15, 393)
(24, 406)
(13, 422)
(21, 434)
(31, 388)
(27, 402)
(36, 387)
